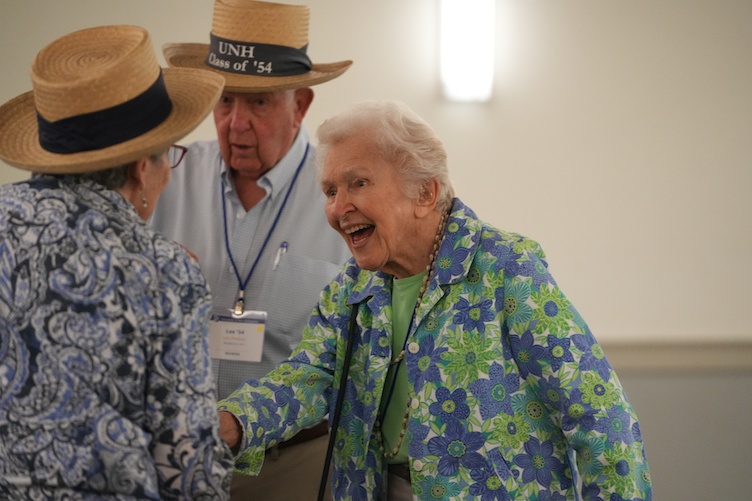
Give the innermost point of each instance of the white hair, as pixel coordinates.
(401, 137)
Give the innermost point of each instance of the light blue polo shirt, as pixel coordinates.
(189, 211)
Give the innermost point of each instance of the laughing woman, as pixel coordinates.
(472, 376)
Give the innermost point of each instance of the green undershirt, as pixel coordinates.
(404, 296)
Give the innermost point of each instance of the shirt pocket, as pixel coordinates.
(296, 283)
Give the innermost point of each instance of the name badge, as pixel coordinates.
(237, 337)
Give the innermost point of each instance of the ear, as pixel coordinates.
(137, 174)
(428, 198)
(135, 183)
(303, 100)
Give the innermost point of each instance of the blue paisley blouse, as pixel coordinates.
(105, 382)
(512, 398)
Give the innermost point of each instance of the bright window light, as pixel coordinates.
(467, 49)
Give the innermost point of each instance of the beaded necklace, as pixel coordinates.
(426, 279)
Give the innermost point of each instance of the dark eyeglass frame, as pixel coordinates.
(179, 155)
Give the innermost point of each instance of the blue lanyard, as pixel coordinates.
(239, 303)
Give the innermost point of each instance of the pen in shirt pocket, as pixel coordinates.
(280, 252)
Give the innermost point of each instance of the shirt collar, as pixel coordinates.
(89, 189)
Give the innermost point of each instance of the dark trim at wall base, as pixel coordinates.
(675, 357)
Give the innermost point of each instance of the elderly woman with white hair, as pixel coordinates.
(450, 362)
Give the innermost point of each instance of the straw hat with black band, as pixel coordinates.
(257, 47)
(100, 100)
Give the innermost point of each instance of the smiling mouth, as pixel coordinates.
(359, 233)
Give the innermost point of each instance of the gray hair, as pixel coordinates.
(115, 178)
(401, 137)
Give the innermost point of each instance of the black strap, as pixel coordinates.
(340, 399)
(250, 58)
(107, 127)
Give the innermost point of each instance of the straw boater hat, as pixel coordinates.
(257, 46)
(100, 100)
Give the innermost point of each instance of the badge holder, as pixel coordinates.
(237, 337)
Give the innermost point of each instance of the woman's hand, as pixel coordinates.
(230, 430)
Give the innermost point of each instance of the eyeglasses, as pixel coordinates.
(177, 153)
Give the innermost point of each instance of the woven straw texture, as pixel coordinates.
(92, 70)
(266, 22)
(257, 22)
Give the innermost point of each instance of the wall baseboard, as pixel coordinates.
(673, 357)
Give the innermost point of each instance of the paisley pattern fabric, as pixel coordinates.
(105, 386)
(512, 398)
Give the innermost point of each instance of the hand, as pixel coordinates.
(190, 253)
(230, 430)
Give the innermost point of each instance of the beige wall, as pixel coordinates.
(619, 136)
(695, 425)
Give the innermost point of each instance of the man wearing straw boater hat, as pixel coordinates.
(248, 205)
(106, 388)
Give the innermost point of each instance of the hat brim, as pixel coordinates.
(193, 94)
(193, 55)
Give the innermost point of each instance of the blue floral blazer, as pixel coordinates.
(512, 398)
(105, 376)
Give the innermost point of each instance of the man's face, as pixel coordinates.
(255, 130)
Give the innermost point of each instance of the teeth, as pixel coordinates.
(352, 230)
